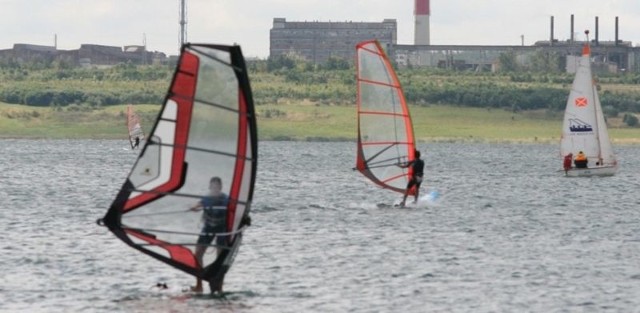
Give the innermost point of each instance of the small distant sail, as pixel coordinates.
(206, 128)
(385, 132)
(136, 134)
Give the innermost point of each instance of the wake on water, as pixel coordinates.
(432, 198)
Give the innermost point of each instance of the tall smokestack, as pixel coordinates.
(421, 31)
(596, 37)
(617, 31)
(572, 31)
(551, 36)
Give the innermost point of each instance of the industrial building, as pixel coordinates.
(609, 56)
(87, 55)
(317, 41)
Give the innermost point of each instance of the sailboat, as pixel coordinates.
(136, 134)
(206, 128)
(385, 132)
(584, 127)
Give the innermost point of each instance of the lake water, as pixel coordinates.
(510, 234)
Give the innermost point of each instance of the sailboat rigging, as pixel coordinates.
(584, 128)
(206, 129)
(385, 132)
(136, 134)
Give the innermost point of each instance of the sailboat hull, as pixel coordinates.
(593, 171)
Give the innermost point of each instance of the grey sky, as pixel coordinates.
(247, 22)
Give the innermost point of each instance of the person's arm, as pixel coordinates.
(196, 207)
(406, 164)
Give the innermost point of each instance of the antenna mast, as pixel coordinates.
(183, 22)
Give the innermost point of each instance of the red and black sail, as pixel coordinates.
(206, 128)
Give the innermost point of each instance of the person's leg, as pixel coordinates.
(417, 192)
(200, 249)
(406, 192)
(203, 242)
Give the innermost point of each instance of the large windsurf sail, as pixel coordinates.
(385, 132)
(136, 134)
(206, 128)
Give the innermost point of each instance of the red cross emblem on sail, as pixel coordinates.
(581, 102)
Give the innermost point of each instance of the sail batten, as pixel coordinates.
(386, 143)
(384, 113)
(206, 129)
(385, 132)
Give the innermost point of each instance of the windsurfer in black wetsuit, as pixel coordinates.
(416, 179)
(137, 142)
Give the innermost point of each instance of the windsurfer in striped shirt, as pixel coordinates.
(214, 216)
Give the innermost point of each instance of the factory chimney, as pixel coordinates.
(617, 39)
(597, 37)
(421, 31)
(551, 35)
(572, 31)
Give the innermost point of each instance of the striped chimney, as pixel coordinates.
(421, 32)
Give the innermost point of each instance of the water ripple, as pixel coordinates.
(511, 234)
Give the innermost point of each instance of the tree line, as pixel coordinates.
(290, 78)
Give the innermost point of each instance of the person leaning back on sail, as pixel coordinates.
(581, 160)
(214, 217)
(416, 179)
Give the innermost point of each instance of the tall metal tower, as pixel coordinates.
(421, 30)
(183, 22)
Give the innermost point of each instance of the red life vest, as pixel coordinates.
(567, 162)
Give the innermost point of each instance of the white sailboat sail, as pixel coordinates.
(584, 127)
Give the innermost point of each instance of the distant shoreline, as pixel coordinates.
(305, 122)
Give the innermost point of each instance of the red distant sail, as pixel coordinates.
(136, 134)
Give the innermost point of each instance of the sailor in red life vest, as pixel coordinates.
(567, 162)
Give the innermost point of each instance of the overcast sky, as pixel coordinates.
(247, 22)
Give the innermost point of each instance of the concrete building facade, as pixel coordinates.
(87, 55)
(316, 42)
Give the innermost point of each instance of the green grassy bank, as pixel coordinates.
(306, 121)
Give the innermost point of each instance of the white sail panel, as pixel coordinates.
(580, 127)
(606, 150)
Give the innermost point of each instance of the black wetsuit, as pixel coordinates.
(418, 172)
